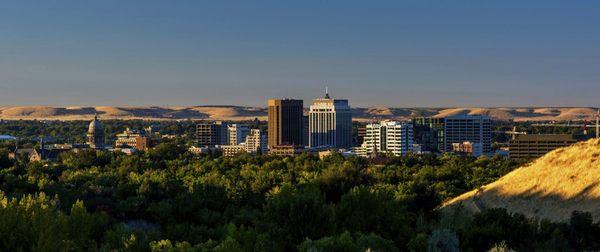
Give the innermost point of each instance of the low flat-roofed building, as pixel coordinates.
(201, 150)
(126, 151)
(468, 148)
(286, 150)
(233, 150)
(536, 145)
(133, 139)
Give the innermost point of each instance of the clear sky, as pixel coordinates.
(392, 53)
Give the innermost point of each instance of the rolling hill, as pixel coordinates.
(237, 113)
(551, 187)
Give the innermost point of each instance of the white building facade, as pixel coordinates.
(330, 123)
(236, 133)
(255, 143)
(387, 137)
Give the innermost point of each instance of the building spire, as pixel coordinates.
(327, 93)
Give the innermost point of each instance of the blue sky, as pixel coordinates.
(391, 53)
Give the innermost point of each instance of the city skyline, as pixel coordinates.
(396, 54)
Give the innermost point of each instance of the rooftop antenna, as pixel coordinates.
(326, 92)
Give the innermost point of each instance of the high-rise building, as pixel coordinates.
(237, 133)
(285, 122)
(211, 134)
(255, 142)
(468, 128)
(330, 123)
(429, 133)
(95, 134)
(387, 137)
(361, 132)
(305, 130)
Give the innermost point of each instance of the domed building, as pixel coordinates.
(95, 134)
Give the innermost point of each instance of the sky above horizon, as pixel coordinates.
(374, 53)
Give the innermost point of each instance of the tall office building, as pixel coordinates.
(285, 122)
(305, 130)
(387, 137)
(255, 142)
(211, 134)
(468, 128)
(359, 138)
(429, 133)
(330, 123)
(237, 133)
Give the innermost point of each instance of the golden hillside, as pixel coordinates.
(551, 187)
(249, 113)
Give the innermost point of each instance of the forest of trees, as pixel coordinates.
(170, 200)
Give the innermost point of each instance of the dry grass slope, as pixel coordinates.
(551, 187)
(248, 113)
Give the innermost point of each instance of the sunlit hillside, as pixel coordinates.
(551, 187)
(238, 113)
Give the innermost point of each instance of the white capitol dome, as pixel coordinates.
(95, 125)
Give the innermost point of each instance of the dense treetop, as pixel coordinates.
(167, 199)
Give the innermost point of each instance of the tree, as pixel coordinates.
(347, 242)
(375, 210)
(295, 214)
(443, 240)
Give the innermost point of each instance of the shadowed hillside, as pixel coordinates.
(237, 113)
(551, 187)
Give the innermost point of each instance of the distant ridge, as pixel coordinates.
(238, 113)
(551, 187)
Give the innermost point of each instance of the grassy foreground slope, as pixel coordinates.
(551, 187)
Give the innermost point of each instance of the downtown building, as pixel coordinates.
(389, 137)
(429, 133)
(454, 134)
(473, 129)
(285, 126)
(212, 134)
(536, 145)
(133, 139)
(330, 123)
(236, 133)
(255, 143)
